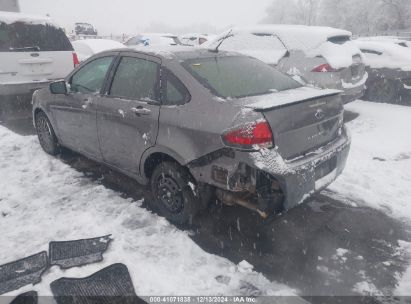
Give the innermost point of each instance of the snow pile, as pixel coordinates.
(10, 18)
(378, 170)
(337, 55)
(388, 55)
(42, 200)
(88, 47)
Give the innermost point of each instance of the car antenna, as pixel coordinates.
(222, 40)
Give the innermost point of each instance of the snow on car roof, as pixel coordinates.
(393, 56)
(182, 52)
(99, 45)
(312, 40)
(10, 18)
(299, 37)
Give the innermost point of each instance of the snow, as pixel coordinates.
(312, 40)
(88, 47)
(393, 55)
(277, 99)
(404, 286)
(337, 55)
(378, 171)
(9, 18)
(43, 199)
(360, 83)
(295, 37)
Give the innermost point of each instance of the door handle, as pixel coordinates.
(141, 111)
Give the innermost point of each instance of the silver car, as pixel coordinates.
(196, 124)
(321, 56)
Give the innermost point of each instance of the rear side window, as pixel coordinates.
(176, 92)
(90, 78)
(136, 78)
(22, 37)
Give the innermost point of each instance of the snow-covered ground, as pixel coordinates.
(42, 199)
(378, 171)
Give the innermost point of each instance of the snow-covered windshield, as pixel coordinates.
(238, 76)
(21, 37)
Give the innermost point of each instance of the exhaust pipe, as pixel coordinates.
(230, 199)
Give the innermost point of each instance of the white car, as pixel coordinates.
(33, 52)
(193, 39)
(389, 68)
(320, 56)
(153, 39)
(88, 47)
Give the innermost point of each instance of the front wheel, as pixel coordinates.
(46, 135)
(174, 193)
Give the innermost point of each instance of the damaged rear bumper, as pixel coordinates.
(298, 179)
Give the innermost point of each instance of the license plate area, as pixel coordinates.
(325, 168)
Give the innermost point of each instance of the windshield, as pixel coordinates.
(238, 76)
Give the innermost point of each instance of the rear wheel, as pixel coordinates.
(174, 192)
(46, 135)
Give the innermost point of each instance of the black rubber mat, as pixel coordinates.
(109, 285)
(22, 272)
(77, 253)
(30, 297)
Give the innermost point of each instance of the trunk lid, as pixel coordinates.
(302, 120)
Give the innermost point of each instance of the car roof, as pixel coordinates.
(176, 52)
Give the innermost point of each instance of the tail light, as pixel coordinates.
(250, 137)
(324, 68)
(76, 62)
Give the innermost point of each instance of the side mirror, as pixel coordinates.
(58, 87)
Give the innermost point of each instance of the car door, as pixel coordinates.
(75, 113)
(127, 116)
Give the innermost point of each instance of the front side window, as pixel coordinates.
(136, 79)
(90, 78)
(238, 76)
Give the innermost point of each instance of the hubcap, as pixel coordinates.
(170, 194)
(44, 133)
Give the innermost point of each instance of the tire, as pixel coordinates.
(173, 195)
(47, 137)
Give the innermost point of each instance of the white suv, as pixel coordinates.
(33, 52)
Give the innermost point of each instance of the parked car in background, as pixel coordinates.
(33, 52)
(193, 39)
(389, 68)
(153, 39)
(195, 124)
(86, 48)
(85, 29)
(320, 56)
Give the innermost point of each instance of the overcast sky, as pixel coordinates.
(130, 16)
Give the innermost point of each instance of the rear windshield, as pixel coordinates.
(22, 37)
(339, 39)
(238, 76)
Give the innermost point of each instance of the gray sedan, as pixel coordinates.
(196, 124)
